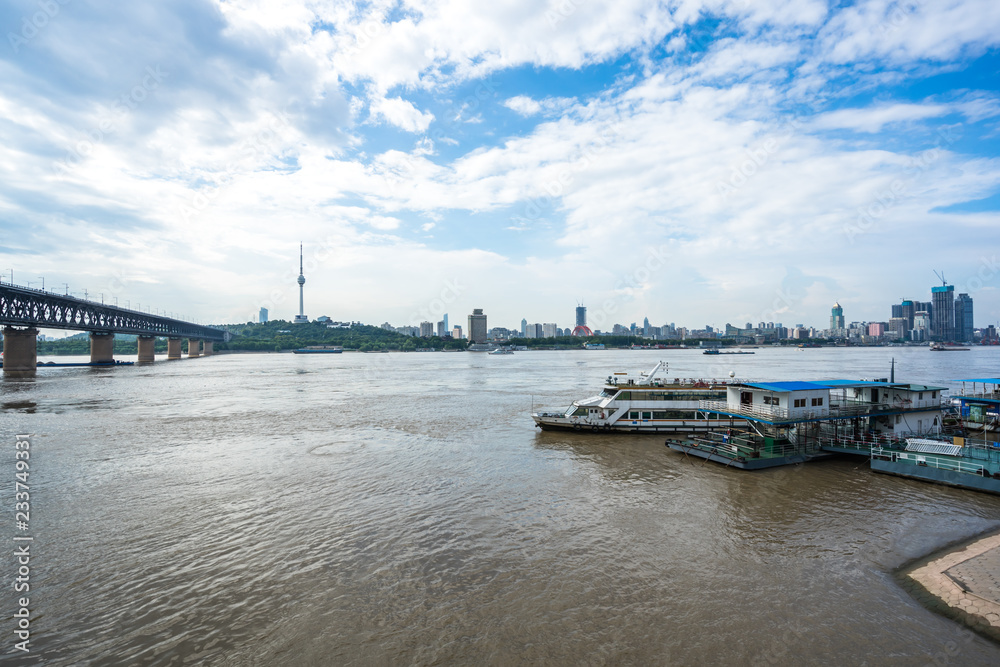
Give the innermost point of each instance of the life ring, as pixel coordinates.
(594, 428)
(576, 427)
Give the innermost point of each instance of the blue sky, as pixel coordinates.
(696, 162)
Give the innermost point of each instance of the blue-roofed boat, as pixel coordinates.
(795, 422)
(899, 427)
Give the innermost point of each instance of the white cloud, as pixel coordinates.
(874, 119)
(402, 114)
(527, 106)
(523, 105)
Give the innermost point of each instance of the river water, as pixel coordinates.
(359, 509)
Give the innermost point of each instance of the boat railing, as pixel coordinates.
(745, 410)
(931, 461)
(550, 412)
(994, 395)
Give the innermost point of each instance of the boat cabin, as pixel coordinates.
(780, 400)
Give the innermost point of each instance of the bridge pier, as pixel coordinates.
(173, 348)
(20, 352)
(102, 347)
(147, 349)
(193, 345)
(206, 348)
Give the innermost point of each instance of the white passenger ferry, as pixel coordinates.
(643, 403)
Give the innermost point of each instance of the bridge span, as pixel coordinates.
(23, 310)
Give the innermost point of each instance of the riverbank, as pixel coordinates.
(961, 582)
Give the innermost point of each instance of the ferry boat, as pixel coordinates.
(320, 349)
(643, 403)
(502, 350)
(950, 347)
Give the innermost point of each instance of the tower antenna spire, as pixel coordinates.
(301, 317)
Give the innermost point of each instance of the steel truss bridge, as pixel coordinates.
(26, 307)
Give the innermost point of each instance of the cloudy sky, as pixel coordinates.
(693, 161)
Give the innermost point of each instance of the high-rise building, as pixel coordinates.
(921, 326)
(441, 329)
(581, 316)
(426, 329)
(645, 327)
(943, 317)
(836, 320)
(301, 317)
(908, 310)
(477, 326)
(549, 330)
(925, 306)
(262, 315)
(963, 317)
(447, 329)
(524, 328)
(456, 332)
(898, 328)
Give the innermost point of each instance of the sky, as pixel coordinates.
(691, 161)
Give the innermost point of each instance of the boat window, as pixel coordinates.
(609, 392)
(920, 396)
(581, 412)
(817, 401)
(933, 394)
(647, 415)
(634, 414)
(625, 396)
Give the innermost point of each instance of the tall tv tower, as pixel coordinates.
(301, 317)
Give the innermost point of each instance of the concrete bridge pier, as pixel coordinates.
(102, 347)
(206, 348)
(193, 345)
(173, 348)
(147, 349)
(20, 352)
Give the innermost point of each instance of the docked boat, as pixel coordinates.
(641, 403)
(961, 463)
(593, 346)
(942, 347)
(320, 349)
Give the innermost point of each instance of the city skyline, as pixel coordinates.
(693, 162)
